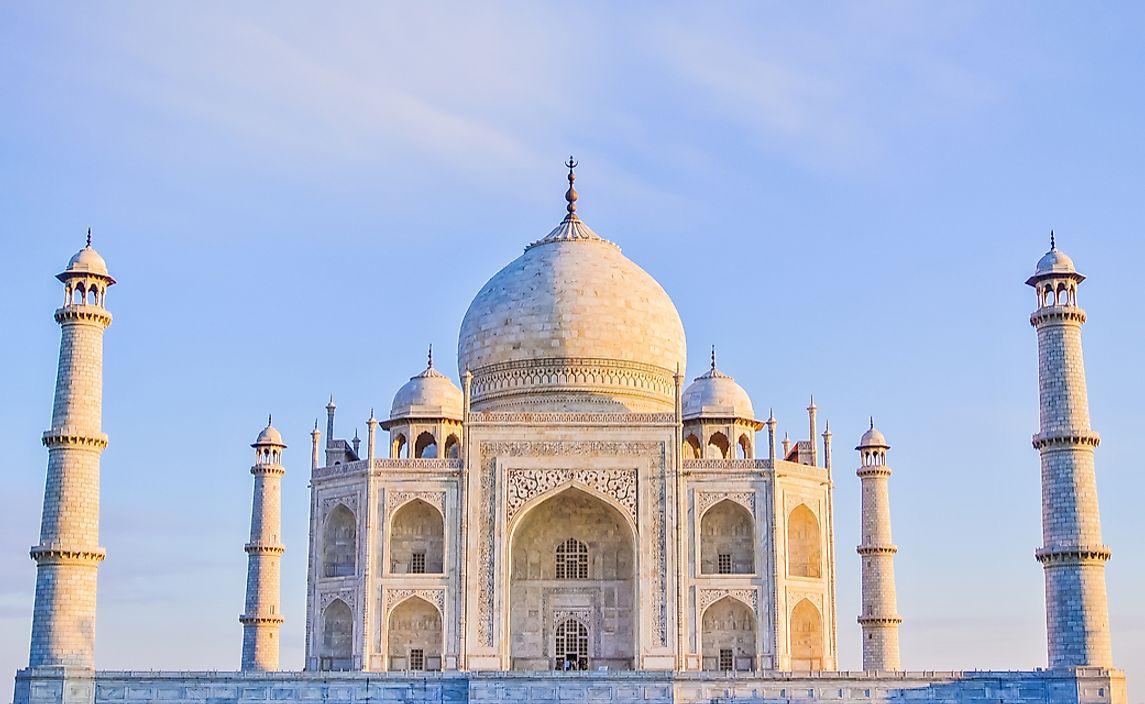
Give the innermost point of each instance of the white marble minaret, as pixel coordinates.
(1072, 554)
(880, 619)
(68, 554)
(263, 615)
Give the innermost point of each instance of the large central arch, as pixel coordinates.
(572, 559)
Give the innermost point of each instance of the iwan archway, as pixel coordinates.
(572, 585)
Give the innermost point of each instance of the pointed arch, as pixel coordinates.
(452, 446)
(806, 637)
(804, 543)
(414, 635)
(743, 447)
(727, 544)
(399, 446)
(728, 635)
(692, 450)
(340, 543)
(417, 539)
(425, 447)
(718, 446)
(337, 648)
(593, 536)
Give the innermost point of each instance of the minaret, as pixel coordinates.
(880, 619)
(1072, 554)
(68, 554)
(263, 615)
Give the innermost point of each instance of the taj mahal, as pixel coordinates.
(570, 518)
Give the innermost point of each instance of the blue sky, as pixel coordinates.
(845, 199)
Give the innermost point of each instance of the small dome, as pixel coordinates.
(1055, 261)
(430, 394)
(269, 436)
(872, 438)
(716, 395)
(86, 261)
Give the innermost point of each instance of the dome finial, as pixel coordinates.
(1053, 245)
(431, 356)
(570, 194)
(872, 422)
(269, 419)
(89, 237)
(713, 358)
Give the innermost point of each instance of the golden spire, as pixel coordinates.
(570, 194)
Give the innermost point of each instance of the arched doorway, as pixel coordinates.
(414, 636)
(728, 636)
(806, 637)
(572, 567)
(337, 650)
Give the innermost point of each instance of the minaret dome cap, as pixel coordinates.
(269, 436)
(1054, 263)
(872, 438)
(86, 262)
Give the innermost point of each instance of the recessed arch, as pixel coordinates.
(340, 543)
(452, 446)
(605, 598)
(399, 446)
(417, 539)
(728, 635)
(804, 544)
(414, 635)
(336, 651)
(727, 539)
(806, 628)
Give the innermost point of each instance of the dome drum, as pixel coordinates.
(579, 384)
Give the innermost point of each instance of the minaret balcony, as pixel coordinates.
(1057, 314)
(96, 315)
(1068, 437)
(69, 436)
(260, 548)
(55, 553)
(877, 549)
(1073, 554)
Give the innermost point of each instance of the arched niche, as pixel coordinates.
(414, 636)
(804, 544)
(417, 539)
(337, 648)
(806, 628)
(727, 539)
(340, 543)
(728, 630)
(602, 597)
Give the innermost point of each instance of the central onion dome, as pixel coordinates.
(572, 325)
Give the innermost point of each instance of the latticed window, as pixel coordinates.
(417, 659)
(571, 645)
(725, 659)
(725, 564)
(417, 563)
(572, 560)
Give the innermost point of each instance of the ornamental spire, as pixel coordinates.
(713, 358)
(570, 194)
(89, 237)
(431, 356)
(1053, 245)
